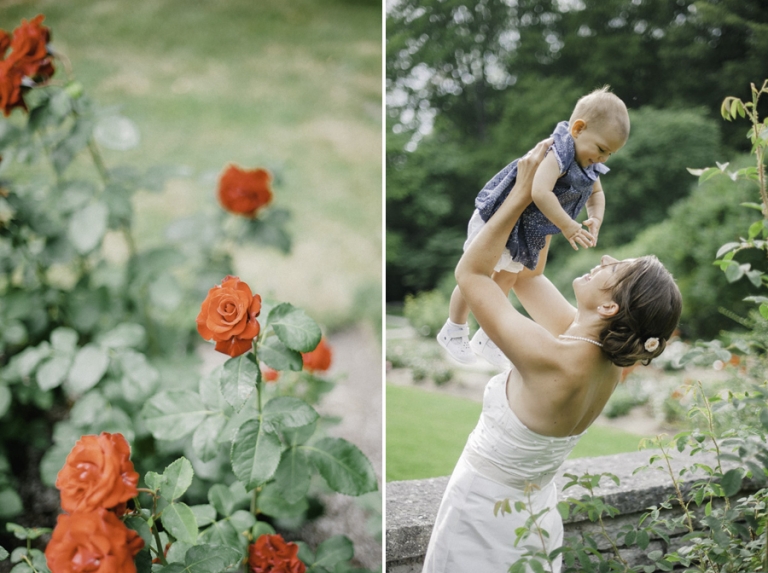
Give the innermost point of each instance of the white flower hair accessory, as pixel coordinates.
(651, 344)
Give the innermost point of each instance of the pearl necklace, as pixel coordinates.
(595, 342)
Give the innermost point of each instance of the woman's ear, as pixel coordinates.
(608, 310)
(577, 127)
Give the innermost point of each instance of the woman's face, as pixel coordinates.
(594, 288)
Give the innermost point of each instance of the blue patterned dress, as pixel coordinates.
(572, 189)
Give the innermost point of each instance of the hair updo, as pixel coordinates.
(649, 308)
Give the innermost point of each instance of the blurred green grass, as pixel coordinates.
(291, 85)
(426, 432)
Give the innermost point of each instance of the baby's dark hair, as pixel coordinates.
(649, 310)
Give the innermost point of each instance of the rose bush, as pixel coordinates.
(228, 316)
(271, 554)
(99, 346)
(244, 192)
(97, 542)
(98, 473)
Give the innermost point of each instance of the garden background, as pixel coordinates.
(292, 87)
(472, 86)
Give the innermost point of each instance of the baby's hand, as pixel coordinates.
(577, 235)
(593, 224)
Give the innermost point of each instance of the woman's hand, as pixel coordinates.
(527, 165)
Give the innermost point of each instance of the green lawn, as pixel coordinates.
(426, 433)
(292, 85)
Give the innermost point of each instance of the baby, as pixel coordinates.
(567, 180)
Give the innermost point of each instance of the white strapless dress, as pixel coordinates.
(501, 457)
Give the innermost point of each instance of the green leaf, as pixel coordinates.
(87, 227)
(755, 277)
(204, 514)
(179, 521)
(64, 340)
(292, 476)
(238, 380)
(222, 534)
(140, 378)
(734, 272)
(288, 412)
(173, 414)
(343, 466)
(3, 554)
(708, 174)
(227, 499)
(764, 310)
(277, 355)
(334, 550)
(153, 480)
(10, 504)
(177, 552)
(755, 229)
(255, 454)
(294, 327)
(205, 440)
(242, 520)
(6, 398)
(261, 528)
(140, 526)
(726, 248)
(211, 559)
(177, 478)
(273, 503)
(53, 372)
(125, 335)
(731, 482)
(90, 364)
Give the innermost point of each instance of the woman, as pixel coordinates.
(567, 362)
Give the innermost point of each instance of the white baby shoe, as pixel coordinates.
(455, 339)
(485, 348)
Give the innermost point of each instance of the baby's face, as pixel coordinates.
(594, 145)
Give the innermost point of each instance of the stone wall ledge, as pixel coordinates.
(412, 505)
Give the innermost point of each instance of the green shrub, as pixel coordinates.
(426, 311)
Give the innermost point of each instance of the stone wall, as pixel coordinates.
(412, 505)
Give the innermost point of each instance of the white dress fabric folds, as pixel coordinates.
(501, 457)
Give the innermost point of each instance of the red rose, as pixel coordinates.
(98, 473)
(5, 42)
(10, 87)
(319, 359)
(271, 554)
(269, 374)
(228, 316)
(29, 49)
(244, 192)
(96, 542)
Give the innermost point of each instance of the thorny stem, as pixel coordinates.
(98, 160)
(28, 561)
(156, 533)
(679, 493)
(756, 130)
(604, 531)
(255, 495)
(529, 507)
(711, 425)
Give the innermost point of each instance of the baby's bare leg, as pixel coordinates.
(458, 310)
